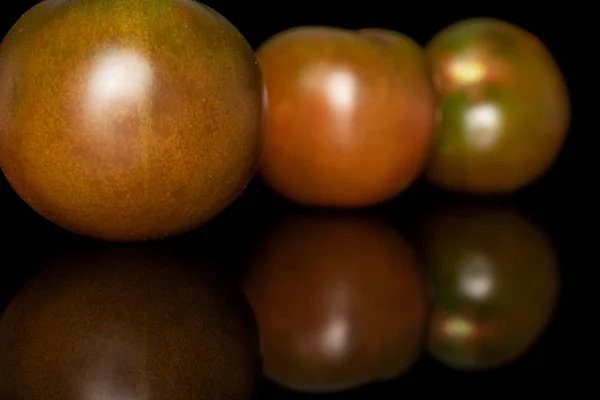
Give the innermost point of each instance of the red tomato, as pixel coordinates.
(351, 115)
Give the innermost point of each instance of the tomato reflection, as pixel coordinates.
(340, 302)
(495, 279)
(128, 322)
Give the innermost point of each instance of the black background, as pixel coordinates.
(553, 202)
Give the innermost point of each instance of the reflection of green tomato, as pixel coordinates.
(504, 107)
(495, 279)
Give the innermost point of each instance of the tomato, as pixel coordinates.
(340, 302)
(128, 120)
(495, 280)
(504, 108)
(351, 115)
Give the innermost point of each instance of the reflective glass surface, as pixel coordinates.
(432, 291)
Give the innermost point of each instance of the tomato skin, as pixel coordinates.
(129, 120)
(504, 107)
(340, 302)
(351, 115)
(496, 281)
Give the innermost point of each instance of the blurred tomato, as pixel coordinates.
(504, 109)
(495, 278)
(351, 115)
(340, 302)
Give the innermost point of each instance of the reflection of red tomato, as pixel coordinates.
(504, 107)
(339, 301)
(351, 115)
(495, 278)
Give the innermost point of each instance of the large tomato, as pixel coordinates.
(504, 109)
(128, 120)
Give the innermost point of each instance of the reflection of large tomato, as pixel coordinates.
(351, 115)
(504, 107)
(339, 301)
(128, 323)
(495, 278)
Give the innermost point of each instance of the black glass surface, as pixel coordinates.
(515, 257)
